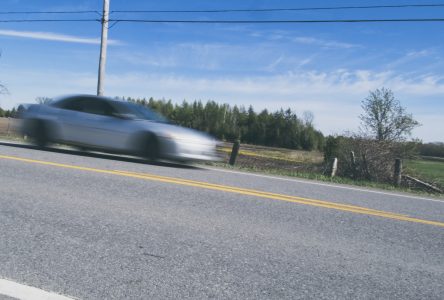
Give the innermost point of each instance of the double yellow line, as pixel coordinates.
(237, 190)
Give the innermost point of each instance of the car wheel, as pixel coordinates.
(152, 148)
(40, 136)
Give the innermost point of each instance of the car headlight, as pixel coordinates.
(173, 136)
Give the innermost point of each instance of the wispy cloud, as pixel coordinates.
(323, 43)
(215, 57)
(423, 59)
(51, 36)
(281, 35)
(195, 56)
(164, 60)
(419, 53)
(274, 64)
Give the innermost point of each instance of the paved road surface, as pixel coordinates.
(101, 227)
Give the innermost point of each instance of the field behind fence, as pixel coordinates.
(9, 126)
(430, 170)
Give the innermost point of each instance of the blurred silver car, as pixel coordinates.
(104, 124)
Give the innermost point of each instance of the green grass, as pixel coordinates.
(323, 178)
(429, 170)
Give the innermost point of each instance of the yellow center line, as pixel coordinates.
(256, 192)
(232, 189)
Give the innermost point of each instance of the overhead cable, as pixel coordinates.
(282, 9)
(228, 21)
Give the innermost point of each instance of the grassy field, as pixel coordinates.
(429, 170)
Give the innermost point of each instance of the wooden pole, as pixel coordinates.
(397, 174)
(234, 152)
(353, 164)
(9, 126)
(365, 166)
(334, 167)
(103, 46)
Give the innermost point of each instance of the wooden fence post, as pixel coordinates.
(334, 167)
(365, 166)
(9, 127)
(353, 164)
(397, 174)
(234, 152)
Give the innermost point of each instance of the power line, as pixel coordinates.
(48, 12)
(226, 21)
(429, 5)
(48, 20)
(282, 9)
(275, 21)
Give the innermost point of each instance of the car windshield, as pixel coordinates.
(135, 111)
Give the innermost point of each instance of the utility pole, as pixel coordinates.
(103, 45)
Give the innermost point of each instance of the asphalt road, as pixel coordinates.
(105, 227)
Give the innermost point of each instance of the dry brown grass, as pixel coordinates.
(265, 158)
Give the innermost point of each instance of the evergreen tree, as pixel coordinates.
(279, 129)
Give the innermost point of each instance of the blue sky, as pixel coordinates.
(323, 68)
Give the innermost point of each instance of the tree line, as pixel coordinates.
(12, 113)
(432, 149)
(282, 128)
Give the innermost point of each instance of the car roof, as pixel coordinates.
(81, 96)
(61, 99)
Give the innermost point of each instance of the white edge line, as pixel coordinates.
(322, 184)
(24, 292)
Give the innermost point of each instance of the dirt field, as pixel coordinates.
(266, 158)
(9, 126)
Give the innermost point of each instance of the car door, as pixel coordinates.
(91, 121)
(100, 126)
(71, 119)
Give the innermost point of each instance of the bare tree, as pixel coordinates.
(3, 89)
(384, 118)
(308, 118)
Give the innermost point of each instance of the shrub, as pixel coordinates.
(373, 160)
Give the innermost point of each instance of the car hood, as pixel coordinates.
(176, 132)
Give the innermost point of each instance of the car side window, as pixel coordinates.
(72, 104)
(97, 107)
(87, 105)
